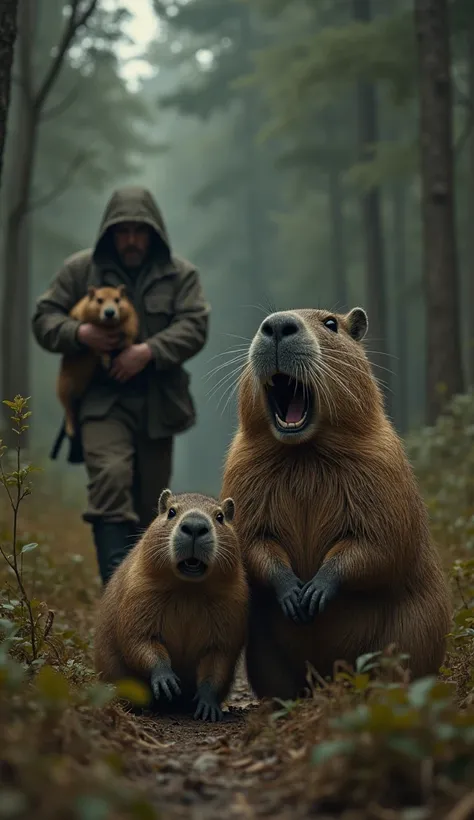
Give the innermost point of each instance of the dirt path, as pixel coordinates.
(203, 770)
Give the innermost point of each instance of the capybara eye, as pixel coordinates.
(220, 518)
(331, 324)
(171, 512)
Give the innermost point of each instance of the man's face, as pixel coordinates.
(132, 242)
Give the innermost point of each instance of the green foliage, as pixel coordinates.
(17, 486)
(391, 162)
(287, 707)
(446, 452)
(443, 459)
(133, 691)
(314, 67)
(46, 683)
(395, 731)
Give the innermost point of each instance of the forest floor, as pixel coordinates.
(352, 750)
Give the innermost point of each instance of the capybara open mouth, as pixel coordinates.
(290, 403)
(192, 568)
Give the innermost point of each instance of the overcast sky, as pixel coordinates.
(143, 28)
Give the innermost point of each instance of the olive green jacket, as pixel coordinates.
(168, 297)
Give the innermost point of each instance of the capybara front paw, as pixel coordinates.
(316, 594)
(290, 603)
(164, 681)
(208, 707)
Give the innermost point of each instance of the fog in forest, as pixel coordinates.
(280, 141)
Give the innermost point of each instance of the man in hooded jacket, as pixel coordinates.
(128, 417)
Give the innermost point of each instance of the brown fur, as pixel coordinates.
(148, 613)
(345, 495)
(77, 370)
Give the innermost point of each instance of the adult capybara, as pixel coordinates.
(334, 532)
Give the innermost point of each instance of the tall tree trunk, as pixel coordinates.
(444, 376)
(15, 328)
(399, 202)
(8, 30)
(336, 218)
(468, 296)
(372, 219)
(254, 194)
(337, 237)
(253, 209)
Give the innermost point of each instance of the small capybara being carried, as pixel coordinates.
(107, 307)
(333, 530)
(174, 613)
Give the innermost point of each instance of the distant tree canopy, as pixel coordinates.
(291, 178)
(320, 126)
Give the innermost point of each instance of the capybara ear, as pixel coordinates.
(122, 289)
(91, 291)
(228, 508)
(357, 323)
(163, 501)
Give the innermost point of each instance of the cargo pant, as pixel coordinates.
(126, 469)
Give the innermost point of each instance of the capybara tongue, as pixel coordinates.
(295, 411)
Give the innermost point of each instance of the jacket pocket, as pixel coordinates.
(159, 311)
(177, 403)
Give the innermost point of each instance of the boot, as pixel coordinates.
(113, 541)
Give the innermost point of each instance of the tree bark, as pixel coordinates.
(8, 31)
(444, 375)
(15, 330)
(399, 202)
(368, 133)
(468, 296)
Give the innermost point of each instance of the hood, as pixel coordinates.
(132, 204)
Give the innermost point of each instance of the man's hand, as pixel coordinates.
(131, 361)
(99, 339)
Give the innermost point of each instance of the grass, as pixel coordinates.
(359, 747)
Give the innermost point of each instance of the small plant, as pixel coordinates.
(287, 707)
(16, 483)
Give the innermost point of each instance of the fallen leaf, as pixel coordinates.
(240, 764)
(297, 754)
(206, 761)
(261, 765)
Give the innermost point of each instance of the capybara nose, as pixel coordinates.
(109, 313)
(279, 325)
(195, 527)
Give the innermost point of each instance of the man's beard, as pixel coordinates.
(132, 258)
